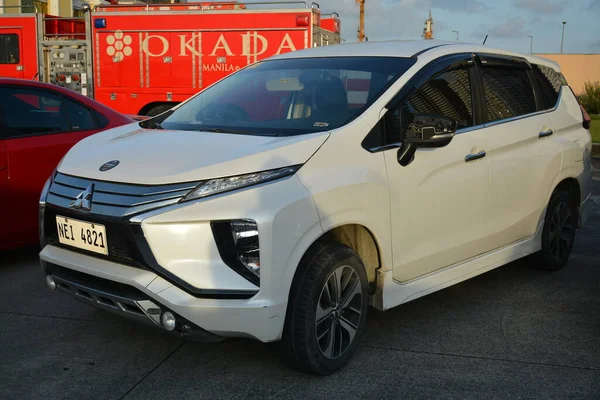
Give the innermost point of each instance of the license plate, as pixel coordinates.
(81, 234)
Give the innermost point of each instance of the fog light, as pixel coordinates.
(168, 321)
(238, 244)
(50, 282)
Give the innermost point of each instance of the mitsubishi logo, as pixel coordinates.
(83, 201)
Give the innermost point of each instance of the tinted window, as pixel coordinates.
(26, 112)
(9, 49)
(289, 97)
(80, 118)
(508, 93)
(448, 95)
(549, 83)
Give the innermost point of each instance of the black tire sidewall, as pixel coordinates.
(159, 109)
(300, 327)
(549, 262)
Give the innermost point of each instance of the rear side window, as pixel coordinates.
(80, 118)
(508, 93)
(9, 49)
(549, 83)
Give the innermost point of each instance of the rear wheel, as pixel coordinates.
(327, 312)
(558, 235)
(159, 109)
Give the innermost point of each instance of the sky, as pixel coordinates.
(507, 22)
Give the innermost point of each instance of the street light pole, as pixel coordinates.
(531, 47)
(456, 35)
(563, 37)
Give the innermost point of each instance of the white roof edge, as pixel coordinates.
(408, 48)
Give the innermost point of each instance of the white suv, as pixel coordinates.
(280, 202)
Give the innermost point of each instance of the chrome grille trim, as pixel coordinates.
(117, 199)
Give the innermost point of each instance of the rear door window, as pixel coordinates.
(9, 49)
(25, 112)
(508, 93)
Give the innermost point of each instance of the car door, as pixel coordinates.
(438, 201)
(3, 188)
(524, 160)
(41, 126)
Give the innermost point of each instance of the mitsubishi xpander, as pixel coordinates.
(282, 201)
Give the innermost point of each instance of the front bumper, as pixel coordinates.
(169, 253)
(122, 300)
(94, 283)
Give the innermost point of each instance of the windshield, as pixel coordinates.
(288, 97)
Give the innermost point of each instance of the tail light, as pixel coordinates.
(584, 114)
(587, 121)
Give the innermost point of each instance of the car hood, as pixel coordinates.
(155, 157)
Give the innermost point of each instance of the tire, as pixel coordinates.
(558, 235)
(308, 344)
(159, 109)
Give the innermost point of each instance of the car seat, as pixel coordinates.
(330, 101)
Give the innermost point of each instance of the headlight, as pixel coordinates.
(221, 185)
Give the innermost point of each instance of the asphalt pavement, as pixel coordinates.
(514, 332)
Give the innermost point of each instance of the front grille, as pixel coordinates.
(112, 205)
(116, 199)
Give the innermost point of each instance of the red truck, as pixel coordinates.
(145, 58)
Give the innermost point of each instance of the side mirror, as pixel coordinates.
(425, 130)
(430, 131)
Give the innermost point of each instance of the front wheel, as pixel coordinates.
(327, 311)
(558, 235)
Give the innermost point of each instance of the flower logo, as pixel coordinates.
(118, 46)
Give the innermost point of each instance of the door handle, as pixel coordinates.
(476, 156)
(546, 133)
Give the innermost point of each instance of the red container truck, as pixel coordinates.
(145, 58)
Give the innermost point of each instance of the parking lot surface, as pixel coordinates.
(514, 332)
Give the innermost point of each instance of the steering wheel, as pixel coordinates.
(227, 112)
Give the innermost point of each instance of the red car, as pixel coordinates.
(39, 123)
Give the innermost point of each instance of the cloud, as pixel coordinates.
(512, 28)
(470, 6)
(384, 19)
(539, 6)
(595, 4)
(399, 19)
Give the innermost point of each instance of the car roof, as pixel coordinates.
(105, 110)
(407, 48)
